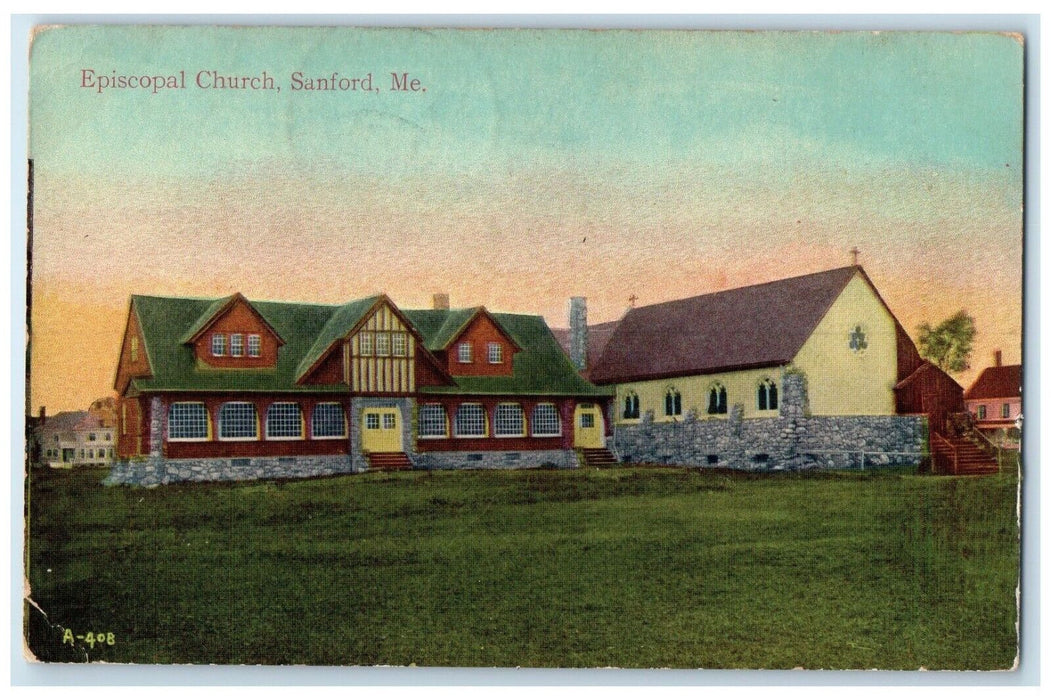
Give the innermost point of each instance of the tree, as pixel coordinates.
(949, 344)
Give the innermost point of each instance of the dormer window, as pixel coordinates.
(237, 345)
(218, 345)
(382, 344)
(253, 345)
(496, 353)
(463, 353)
(366, 343)
(398, 344)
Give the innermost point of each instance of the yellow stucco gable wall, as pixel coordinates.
(741, 387)
(840, 381)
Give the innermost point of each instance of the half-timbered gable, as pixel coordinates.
(381, 353)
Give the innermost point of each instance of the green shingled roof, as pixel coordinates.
(339, 324)
(541, 367)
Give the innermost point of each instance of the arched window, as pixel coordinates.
(631, 405)
(238, 421)
(284, 421)
(328, 421)
(470, 420)
(432, 422)
(672, 402)
(510, 420)
(766, 395)
(717, 399)
(546, 421)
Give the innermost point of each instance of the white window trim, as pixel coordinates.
(445, 435)
(218, 336)
(498, 350)
(258, 345)
(208, 425)
(534, 422)
(284, 438)
(398, 338)
(460, 348)
(328, 437)
(485, 422)
(234, 351)
(525, 426)
(389, 343)
(219, 429)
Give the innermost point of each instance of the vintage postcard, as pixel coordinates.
(524, 348)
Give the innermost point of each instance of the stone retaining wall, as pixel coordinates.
(564, 459)
(153, 472)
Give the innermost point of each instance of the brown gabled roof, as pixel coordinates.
(997, 383)
(73, 420)
(598, 338)
(757, 326)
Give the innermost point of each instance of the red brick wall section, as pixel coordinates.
(127, 368)
(426, 374)
(132, 431)
(239, 318)
(330, 371)
(481, 331)
(260, 447)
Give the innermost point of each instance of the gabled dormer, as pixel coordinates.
(476, 345)
(232, 334)
(373, 348)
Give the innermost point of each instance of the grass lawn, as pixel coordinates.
(625, 567)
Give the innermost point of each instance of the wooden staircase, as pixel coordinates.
(961, 456)
(597, 457)
(388, 461)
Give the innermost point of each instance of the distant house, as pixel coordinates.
(75, 439)
(995, 402)
(814, 368)
(232, 388)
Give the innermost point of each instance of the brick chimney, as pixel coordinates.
(998, 358)
(578, 332)
(440, 301)
(43, 416)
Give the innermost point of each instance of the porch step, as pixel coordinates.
(389, 461)
(598, 457)
(970, 458)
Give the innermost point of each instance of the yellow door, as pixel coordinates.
(380, 430)
(589, 429)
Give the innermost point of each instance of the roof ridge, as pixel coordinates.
(747, 286)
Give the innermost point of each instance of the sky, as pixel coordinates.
(528, 167)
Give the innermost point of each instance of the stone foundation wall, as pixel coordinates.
(153, 472)
(564, 459)
(793, 440)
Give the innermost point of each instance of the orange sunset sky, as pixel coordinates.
(530, 170)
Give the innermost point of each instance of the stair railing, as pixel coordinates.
(996, 450)
(955, 451)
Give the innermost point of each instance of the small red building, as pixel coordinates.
(231, 388)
